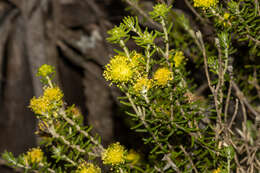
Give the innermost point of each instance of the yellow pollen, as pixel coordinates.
(114, 154)
(178, 58)
(88, 168)
(118, 70)
(205, 3)
(35, 155)
(162, 76)
(142, 85)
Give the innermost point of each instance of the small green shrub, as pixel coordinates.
(184, 131)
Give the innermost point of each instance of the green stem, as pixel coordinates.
(228, 167)
(49, 82)
(166, 54)
(122, 44)
(148, 59)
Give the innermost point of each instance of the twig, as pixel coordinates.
(202, 47)
(234, 115)
(141, 115)
(254, 82)
(5, 163)
(257, 7)
(227, 101)
(242, 97)
(71, 122)
(187, 155)
(166, 37)
(64, 157)
(62, 138)
(244, 128)
(195, 12)
(169, 2)
(139, 10)
(21, 167)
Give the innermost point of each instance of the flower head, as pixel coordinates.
(178, 57)
(35, 155)
(226, 16)
(217, 170)
(45, 70)
(119, 70)
(205, 3)
(88, 168)
(39, 105)
(142, 85)
(53, 94)
(162, 76)
(114, 154)
(51, 99)
(133, 157)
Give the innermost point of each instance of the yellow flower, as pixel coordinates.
(226, 16)
(53, 94)
(225, 20)
(35, 155)
(142, 85)
(39, 105)
(114, 154)
(51, 99)
(43, 126)
(217, 170)
(205, 3)
(133, 157)
(178, 57)
(45, 70)
(162, 76)
(88, 168)
(118, 70)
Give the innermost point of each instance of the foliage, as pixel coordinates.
(183, 131)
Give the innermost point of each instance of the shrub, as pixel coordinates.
(184, 132)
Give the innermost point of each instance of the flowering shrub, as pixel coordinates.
(183, 131)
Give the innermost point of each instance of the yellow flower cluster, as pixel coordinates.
(122, 69)
(119, 69)
(178, 58)
(45, 70)
(35, 155)
(88, 168)
(205, 3)
(133, 157)
(226, 16)
(142, 85)
(162, 76)
(114, 154)
(53, 94)
(217, 170)
(225, 20)
(51, 99)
